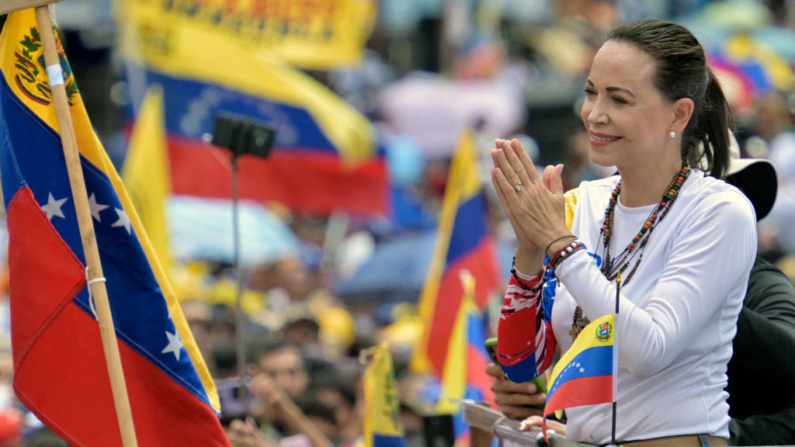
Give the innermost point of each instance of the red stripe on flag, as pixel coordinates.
(578, 392)
(65, 379)
(59, 366)
(480, 262)
(306, 180)
(35, 248)
(476, 373)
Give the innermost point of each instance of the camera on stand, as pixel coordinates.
(242, 135)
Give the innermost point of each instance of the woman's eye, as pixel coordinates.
(619, 100)
(589, 92)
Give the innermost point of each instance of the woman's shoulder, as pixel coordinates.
(715, 197)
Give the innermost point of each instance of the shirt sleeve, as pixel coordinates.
(525, 343)
(710, 255)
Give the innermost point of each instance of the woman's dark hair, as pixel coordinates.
(682, 72)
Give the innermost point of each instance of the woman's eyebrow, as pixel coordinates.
(611, 89)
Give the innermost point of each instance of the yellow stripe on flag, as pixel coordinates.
(146, 174)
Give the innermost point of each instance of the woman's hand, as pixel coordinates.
(535, 421)
(534, 205)
(246, 434)
(516, 400)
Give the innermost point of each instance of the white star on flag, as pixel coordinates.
(174, 345)
(582, 370)
(123, 221)
(53, 207)
(95, 207)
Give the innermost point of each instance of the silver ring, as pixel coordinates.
(518, 187)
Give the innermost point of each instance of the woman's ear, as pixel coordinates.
(683, 111)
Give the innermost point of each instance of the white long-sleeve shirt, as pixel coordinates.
(678, 313)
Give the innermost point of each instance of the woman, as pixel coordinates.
(683, 241)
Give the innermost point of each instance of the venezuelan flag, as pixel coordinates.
(382, 426)
(463, 243)
(586, 373)
(465, 369)
(59, 365)
(324, 157)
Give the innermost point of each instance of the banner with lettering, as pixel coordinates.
(310, 34)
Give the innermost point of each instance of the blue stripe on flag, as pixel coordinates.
(191, 106)
(469, 227)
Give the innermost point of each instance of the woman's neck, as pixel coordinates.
(646, 186)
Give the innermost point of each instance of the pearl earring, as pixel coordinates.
(672, 134)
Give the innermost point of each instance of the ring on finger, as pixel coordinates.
(519, 187)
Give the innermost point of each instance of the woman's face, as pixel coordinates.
(627, 118)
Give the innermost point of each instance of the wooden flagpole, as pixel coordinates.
(8, 6)
(90, 249)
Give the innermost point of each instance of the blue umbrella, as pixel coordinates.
(398, 269)
(202, 229)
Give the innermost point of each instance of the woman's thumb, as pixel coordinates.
(556, 183)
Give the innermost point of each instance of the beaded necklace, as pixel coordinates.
(612, 267)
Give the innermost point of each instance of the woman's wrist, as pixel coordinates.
(556, 244)
(529, 261)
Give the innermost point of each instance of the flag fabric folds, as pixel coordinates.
(586, 373)
(314, 34)
(323, 158)
(466, 355)
(146, 174)
(463, 242)
(465, 369)
(59, 366)
(382, 426)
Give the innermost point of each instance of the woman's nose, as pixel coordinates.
(597, 113)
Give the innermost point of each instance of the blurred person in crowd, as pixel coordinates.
(11, 427)
(222, 322)
(198, 315)
(761, 392)
(775, 139)
(323, 415)
(281, 410)
(44, 437)
(228, 382)
(281, 362)
(772, 118)
(653, 109)
(303, 331)
(579, 167)
(339, 393)
(278, 377)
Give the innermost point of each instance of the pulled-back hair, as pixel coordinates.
(682, 72)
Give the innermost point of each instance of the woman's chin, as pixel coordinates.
(602, 159)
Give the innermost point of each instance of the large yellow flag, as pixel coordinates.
(146, 174)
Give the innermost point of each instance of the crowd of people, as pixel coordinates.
(707, 319)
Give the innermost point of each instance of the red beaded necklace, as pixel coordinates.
(611, 267)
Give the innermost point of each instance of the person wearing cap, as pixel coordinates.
(760, 385)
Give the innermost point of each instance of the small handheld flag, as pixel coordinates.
(382, 426)
(585, 375)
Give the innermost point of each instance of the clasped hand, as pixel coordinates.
(534, 205)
